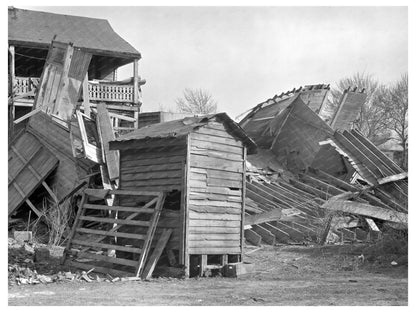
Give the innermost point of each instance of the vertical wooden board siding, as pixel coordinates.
(215, 185)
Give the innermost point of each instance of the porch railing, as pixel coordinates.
(105, 92)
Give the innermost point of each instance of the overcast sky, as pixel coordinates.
(245, 55)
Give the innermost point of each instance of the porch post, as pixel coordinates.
(12, 74)
(136, 91)
(11, 109)
(86, 96)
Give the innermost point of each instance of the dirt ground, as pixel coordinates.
(284, 275)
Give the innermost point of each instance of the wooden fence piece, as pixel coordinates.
(157, 252)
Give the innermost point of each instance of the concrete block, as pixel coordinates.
(23, 236)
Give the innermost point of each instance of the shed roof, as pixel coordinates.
(182, 127)
(37, 29)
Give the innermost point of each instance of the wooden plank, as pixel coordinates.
(280, 235)
(215, 209)
(105, 131)
(93, 256)
(201, 145)
(215, 203)
(157, 252)
(99, 269)
(214, 223)
(214, 216)
(266, 235)
(166, 174)
(214, 244)
(258, 198)
(214, 251)
(295, 234)
(393, 178)
(266, 193)
(220, 140)
(217, 164)
(150, 233)
(213, 230)
(320, 184)
(31, 113)
(130, 217)
(111, 233)
(119, 208)
(367, 169)
(310, 189)
(271, 215)
(213, 237)
(391, 164)
(366, 210)
(106, 246)
(151, 168)
(101, 193)
(115, 221)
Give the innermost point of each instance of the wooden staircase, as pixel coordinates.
(94, 248)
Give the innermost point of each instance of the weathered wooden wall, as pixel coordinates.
(154, 170)
(56, 138)
(215, 186)
(29, 164)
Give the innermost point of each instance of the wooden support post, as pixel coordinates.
(12, 78)
(136, 91)
(203, 265)
(224, 260)
(86, 96)
(136, 81)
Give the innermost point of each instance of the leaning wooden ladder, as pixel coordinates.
(157, 200)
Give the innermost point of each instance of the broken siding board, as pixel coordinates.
(34, 172)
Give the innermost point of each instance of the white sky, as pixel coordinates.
(244, 55)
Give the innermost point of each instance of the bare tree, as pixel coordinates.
(196, 101)
(397, 112)
(371, 121)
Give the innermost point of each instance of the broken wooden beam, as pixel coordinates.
(393, 178)
(365, 210)
(252, 237)
(271, 215)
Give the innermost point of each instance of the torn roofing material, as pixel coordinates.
(182, 127)
(35, 28)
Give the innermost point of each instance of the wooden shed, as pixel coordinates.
(200, 163)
